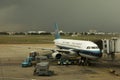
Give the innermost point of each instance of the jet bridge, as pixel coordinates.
(111, 46)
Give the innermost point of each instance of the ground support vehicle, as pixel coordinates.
(42, 69)
(27, 62)
(69, 61)
(30, 60)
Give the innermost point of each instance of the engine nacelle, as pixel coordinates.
(56, 55)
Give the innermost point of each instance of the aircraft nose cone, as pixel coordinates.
(99, 53)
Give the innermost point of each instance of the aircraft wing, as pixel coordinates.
(59, 50)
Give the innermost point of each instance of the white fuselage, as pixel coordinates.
(84, 48)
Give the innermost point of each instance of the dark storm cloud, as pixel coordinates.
(7, 3)
(71, 15)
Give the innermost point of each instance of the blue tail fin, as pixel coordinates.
(57, 34)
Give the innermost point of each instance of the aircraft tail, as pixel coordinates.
(57, 34)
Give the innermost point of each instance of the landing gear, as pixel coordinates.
(84, 61)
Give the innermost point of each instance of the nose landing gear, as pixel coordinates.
(84, 61)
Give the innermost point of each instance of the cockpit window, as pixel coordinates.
(88, 47)
(92, 47)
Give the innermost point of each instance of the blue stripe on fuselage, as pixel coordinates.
(86, 52)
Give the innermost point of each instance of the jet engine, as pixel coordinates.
(56, 55)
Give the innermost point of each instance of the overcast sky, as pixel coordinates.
(71, 15)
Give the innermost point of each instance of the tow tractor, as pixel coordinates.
(27, 62)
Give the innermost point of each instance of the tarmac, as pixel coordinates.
(11, 56)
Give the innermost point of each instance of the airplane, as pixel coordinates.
(87, 50)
